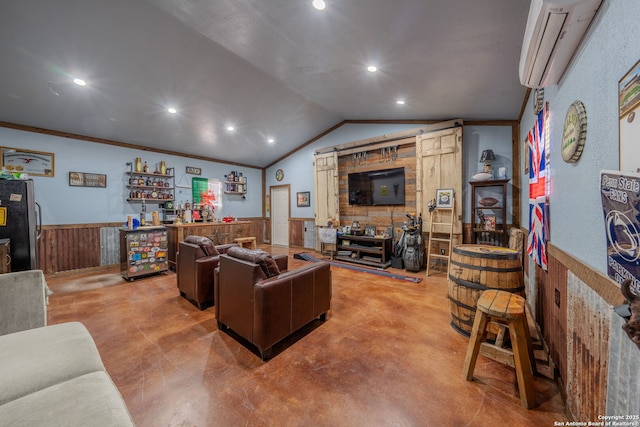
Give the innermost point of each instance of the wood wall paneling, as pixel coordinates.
(380, 216)
(296, 232)
(67, 248)
(554, 307)
(81, 246)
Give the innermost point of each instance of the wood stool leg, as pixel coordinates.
(518, 331)
(476, 338)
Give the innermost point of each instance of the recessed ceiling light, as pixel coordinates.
(318, 4)
(231, 128)
(172, 110)
(400, 102)
(271, 140)
(79, 82)
(372, 68)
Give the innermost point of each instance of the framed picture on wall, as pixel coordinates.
(370, 230)
(304, 199)
(629, 127)
(84, 179)
(444, 198)
(36, 163)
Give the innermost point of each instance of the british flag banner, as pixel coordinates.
(538, 190)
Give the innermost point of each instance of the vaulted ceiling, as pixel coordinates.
(272, 69)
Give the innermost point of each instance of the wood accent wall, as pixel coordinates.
(70, 247)
(296, 232)
(79, 246)
(573, 308)
(380, 216)
(551, 311)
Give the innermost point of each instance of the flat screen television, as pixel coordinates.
(376, 188)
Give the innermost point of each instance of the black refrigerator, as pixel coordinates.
(20, 223)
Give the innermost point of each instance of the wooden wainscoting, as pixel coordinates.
(573, 309)
(83, 246)
(296, 232)
(72, 246)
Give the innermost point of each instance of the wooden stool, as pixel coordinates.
(509, 308)
(246, 242)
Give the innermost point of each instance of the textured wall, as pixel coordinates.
(602, 364)
(587, 351)
(62, 204)
(608, 51)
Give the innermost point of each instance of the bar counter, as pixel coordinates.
(219, 232)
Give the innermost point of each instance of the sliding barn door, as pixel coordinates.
(439, 165)
(326, 188)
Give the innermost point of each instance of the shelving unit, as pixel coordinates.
(150, 187)
(235, 183)
(482, 191)
(373, 251)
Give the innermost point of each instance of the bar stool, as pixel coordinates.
(246, 242)
(506, 308)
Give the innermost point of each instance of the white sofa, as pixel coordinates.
(50, 375)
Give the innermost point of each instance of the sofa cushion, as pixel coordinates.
(256, 256)
(39, 358)
(205, 244)
(23, 297)
(88, 400)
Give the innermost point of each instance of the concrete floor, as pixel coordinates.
(386, 356)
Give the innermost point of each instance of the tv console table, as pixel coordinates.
(367, 250)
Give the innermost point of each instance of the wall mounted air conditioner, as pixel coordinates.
(554, 30)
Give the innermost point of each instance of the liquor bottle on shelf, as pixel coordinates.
(143, 214)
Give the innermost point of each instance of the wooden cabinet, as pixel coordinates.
(219, 232)
(488, 212)
(373, 251)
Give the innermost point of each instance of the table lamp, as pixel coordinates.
(487, 157)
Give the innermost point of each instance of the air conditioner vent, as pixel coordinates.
(553, 33)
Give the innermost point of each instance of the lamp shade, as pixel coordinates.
(487, 156)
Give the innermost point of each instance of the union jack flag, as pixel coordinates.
(538, 168)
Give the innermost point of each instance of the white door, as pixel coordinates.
(280, 215)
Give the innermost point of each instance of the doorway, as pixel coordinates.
(280, 211)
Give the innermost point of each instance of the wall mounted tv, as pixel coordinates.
(378, 187)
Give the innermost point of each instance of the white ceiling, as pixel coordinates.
(272, 68)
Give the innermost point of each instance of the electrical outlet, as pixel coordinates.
(557, 297)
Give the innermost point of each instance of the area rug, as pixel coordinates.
(308, 257)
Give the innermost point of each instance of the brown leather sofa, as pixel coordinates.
(262, 302)
(196, 260)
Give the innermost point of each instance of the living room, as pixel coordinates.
(571, 299)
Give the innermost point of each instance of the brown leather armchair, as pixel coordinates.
(263, 303)
(196, 260)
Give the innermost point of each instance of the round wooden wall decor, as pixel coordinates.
(575, 132)
(279, 175)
